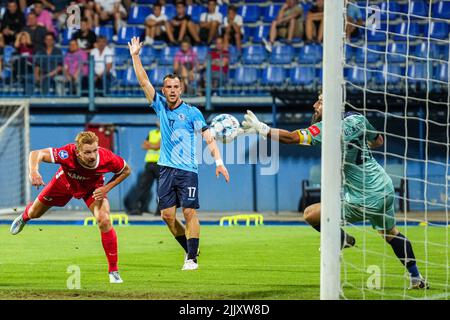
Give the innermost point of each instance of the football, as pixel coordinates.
(225, 127)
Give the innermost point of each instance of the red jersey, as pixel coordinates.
(83, 179)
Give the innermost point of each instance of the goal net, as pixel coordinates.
(14, 149)
(395, 67)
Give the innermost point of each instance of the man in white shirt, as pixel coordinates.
(210, 22)
(157, 26)
(103, 64)
(233, 28)
(106, 10)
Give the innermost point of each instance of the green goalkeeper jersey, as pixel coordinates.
(364, 180)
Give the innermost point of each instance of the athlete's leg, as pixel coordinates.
(192, 232)
(175, 226)
(33, 210)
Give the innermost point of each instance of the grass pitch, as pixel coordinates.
(268, 262)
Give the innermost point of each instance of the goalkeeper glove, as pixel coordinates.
(252, 122)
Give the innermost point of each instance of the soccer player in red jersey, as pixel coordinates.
(81, 175)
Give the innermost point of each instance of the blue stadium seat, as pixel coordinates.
(310, 54)
(416, 8)
(302, 75)
(271, 12)
(417, 72)
(397, 52)
(441, 9)
(421, 50)
(260, 32)
(106, 31)
(255, 54)
(282, 55)
(273, 76)
(202, 53)
(223, 9)
(130, 77)
(169, 10)
(121, 56)
(390, 73)
(246, 76)
(440, 72)
(356, 75)
(438, 30)
(138, 14)
(147, 55)
(156, 75)
(389, 8)
(373, 52)
(126, 33)
(8, 52)
(167, 55)
(349, 53)
(402, 31)
(377, 33)
(67, 35)
(146, 1)
(248, 32)
(250, 13)
(234, 54)
(195, 12)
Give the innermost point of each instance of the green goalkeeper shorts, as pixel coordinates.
(380, 212)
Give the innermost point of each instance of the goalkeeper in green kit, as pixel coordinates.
(368, 190)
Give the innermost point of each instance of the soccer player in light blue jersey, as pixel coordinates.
(178, 181)
(368, 189)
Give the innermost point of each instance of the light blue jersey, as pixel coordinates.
(179, 129)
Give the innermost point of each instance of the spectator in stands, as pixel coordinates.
(76, 67)
(287, 25)
(106, 10)
(103, 67)
(314, 22)
(59, 9)
(22, 60)
(219, 63)
(210, 22)
(49, 66)
(44, 17)
(186, 65)
(181, 26)
(24, 4)
(354, 20)
(12, 23)
(85, 37)
(37, 32)
(233, 28)
(157, 27)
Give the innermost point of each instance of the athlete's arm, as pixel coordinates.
(36, 157)
(147, 145)
(284, 136)
(215, 153)
(100, 193)
(135, 46)
(378, 142)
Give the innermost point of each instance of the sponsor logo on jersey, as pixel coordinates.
(48, 198)
(63, 154)
(182, 117)
(76, 176)
(314, 130)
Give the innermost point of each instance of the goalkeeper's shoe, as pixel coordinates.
(190, 264)
(418, 283)
(114, 277)
(17, 225)
(349, 241)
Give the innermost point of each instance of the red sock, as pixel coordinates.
(109, 242)
(25, 215)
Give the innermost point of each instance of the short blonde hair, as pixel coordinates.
(85, 137)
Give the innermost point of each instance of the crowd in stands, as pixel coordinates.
(226, 28)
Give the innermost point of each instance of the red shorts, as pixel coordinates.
(57, 192)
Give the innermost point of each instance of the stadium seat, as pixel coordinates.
(106, 31)
(310, 54)
(441, 9)
(270, 12)
(302, 75)
(202, 53)
(147, 55)
(195, 12)
(246, 76)
(260, 32)
(374, 53)
(417, 72)
(440, 73)
(377, 33)
(121, 56)
(282, 55)
(421, 50)
(250, 13)
(223, 9)
(437, 30)
(67, 36)
(130, 77)
(390, 73)
(234, 54)
(388, 8)
(126, 33)
(254, 54)
(248, 32)
(8, 52)
(169, 10)
(415, 8)
(138, 14)
(146, 1)
(167, 55)
(349, 53)
(397, 52)
(356, 75)
(406, 29)
(273, 76)
(156, 75)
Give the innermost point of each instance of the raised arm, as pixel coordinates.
(35, 158)
(135, 46)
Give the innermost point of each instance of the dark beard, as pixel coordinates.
(315, 118)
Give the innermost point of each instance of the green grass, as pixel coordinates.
(235, 263)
